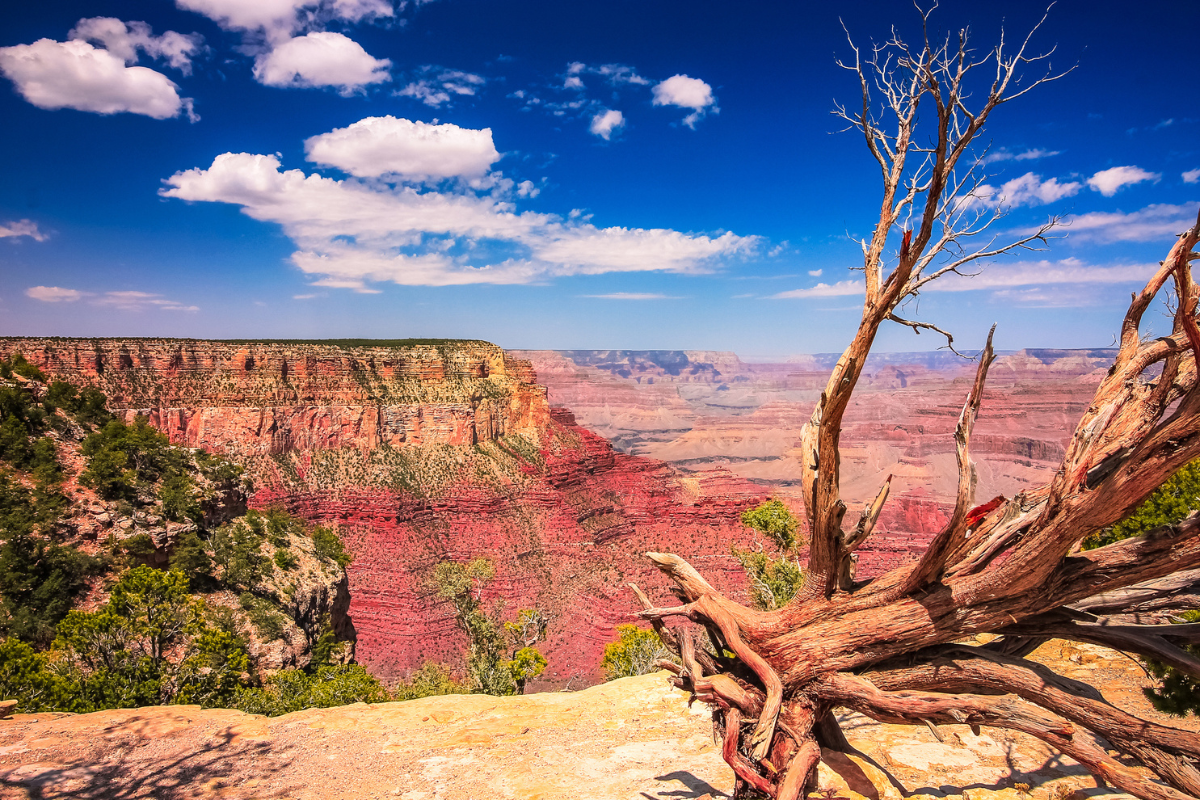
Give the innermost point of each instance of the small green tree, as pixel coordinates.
(500, 659)
(773, 580)
(633, 653)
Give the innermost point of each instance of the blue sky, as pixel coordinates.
(550, 175)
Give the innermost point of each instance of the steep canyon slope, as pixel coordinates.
(422, 452)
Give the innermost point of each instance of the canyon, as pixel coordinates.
(419, 453)
(563, 467)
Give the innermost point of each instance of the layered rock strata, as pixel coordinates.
(419, 453)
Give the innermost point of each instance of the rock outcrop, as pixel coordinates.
(635, 737)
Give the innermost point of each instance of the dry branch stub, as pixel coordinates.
(886, 647)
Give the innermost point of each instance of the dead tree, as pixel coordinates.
(889, 647)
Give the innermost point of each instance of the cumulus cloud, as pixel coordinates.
(1109, 181)
(606, 122)
(74, 74)
(280, 19)
(435, 86)
(1159, 221)
(685, 92)
(125, 39)
(54, 294)
(378, 146)
(633, 296)
(527, 189)
(1027, 190)
(1191, 176)
(816, 273)
(22, 227)
(354, 232)
(320, 58)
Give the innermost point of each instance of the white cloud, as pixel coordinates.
(273, 16)
(125, 39)
(74, 74)
(124, 300)
(1032, 154)
(350, 233)
(280, 19)
(22, 227)
(1042, 273)
(437, 87)
(54, 294)
(140, 301)
(1027, 190)
(839, 289)
(816, 273)
(1005, 278)
(607, 121)
(320, 58)
(685, 92)
(1159, 221)
(1191, 176)
(633, 296)
(1107, 182)
(527, 189)
(378, 146)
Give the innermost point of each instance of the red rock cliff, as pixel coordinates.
(424, 453)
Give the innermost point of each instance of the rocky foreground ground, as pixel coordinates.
(632, 739)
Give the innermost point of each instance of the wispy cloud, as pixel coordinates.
(22, 227)
(124, 300)
(1032, 154)
(1157, 221)
(54, 294)
(1003, 277)
(1191, 176)
(632, 296)
(839, 289)
(1027, 190)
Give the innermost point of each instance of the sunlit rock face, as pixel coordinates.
(421, 453)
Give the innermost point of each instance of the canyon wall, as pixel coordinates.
(697, 410)
(418, 453)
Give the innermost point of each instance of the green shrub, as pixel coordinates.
(39, 582)
(295, 690)
(773, 519)
(178, 498)
(328, 545)
(286, 560)
(773, 581)
(237, 552)
(633, 653)
(431, 680)
(25, 677)
(263, 615)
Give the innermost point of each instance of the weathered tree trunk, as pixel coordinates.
(887, 647)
